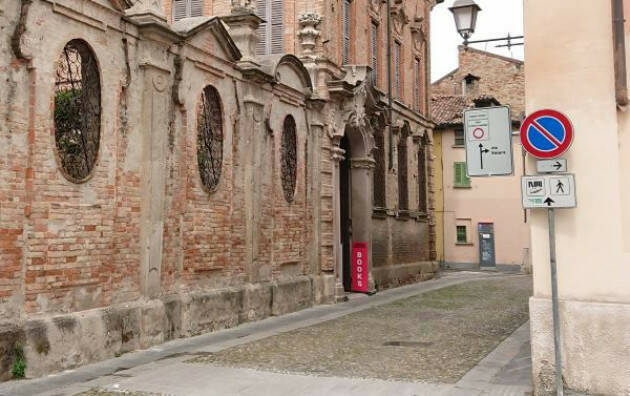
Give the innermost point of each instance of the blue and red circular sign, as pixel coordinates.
(546, 134)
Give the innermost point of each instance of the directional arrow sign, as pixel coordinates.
(558, 165)
(549, 191)
(488, 132)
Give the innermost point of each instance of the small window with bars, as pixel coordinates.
(271, 32)
(347, 29)
(379, 170)
(461, 177)
(459, 137)
(397, 65)
(374, 53)
(187, 9)
(403, 189)
(462, 234)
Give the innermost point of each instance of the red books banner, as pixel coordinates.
(360, 267)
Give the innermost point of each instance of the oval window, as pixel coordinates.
(77, 111)
(289, 158)
(210, 138)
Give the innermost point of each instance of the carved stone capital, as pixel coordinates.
(363, 163)
(338, 154)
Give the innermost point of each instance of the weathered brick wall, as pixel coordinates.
(500, 77)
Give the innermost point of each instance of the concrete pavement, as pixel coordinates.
(162, 369)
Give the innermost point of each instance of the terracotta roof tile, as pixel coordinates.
(447, 110)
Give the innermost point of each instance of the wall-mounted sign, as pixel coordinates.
(488, 140)
(360, 267)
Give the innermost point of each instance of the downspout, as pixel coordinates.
(619, 42)
(389, 83)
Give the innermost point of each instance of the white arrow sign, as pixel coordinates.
(558, 165)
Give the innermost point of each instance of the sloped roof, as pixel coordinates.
(448, 109)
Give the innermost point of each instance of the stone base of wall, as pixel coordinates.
(403, 274)
(595, 346)
(60, 342)
(476, 266)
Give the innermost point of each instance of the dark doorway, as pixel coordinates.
(487, 258)
(345, 181)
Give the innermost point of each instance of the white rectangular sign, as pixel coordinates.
(548, 191)
(558, 165)
(488, 136)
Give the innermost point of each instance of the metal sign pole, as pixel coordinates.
(554, 301)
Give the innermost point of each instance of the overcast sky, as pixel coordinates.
(496, 19)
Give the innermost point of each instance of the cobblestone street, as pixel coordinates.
(443, 337)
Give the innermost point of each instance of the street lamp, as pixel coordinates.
(465, 15)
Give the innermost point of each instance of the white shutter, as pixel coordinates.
(261, 11)
(179, 9)
(277, 27)
(374, 53)
(196, 8)
(346, 31)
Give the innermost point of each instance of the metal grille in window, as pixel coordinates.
(403, 190)
(289, 158)
(422, 180)
(210, 138)
(379, 171)
(77, 112)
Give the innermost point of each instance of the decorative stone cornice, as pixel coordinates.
(363, 163)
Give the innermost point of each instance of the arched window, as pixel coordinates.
(422, 179)
(403, 190)
(288, 158)
(77, 110)
(210, 138)
(379, 170)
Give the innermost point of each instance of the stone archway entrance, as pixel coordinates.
(355, 203)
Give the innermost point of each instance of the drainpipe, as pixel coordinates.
(619, 42)
(389, 83)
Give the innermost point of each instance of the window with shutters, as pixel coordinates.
(77, 110)
(347, 29)
(379, 170)
(417, 81)
(270, 32)
(459, 137)
(187, 9)
(374, 53)
(422, 180)
(210, 138)
(288, 158)
(462, 234)
(397, 61)
(461, 177)
(403, 190)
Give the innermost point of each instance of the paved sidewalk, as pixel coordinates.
(162, 369)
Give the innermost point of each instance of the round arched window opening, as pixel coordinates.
(289, 158)
(77, 111)
(210, 138)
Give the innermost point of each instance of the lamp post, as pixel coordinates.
(465, 15)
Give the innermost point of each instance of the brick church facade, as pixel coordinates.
(169, 168)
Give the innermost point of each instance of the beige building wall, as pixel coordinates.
(438, 186)
(569, 46)
(493, 200)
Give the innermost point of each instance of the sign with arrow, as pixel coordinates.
(488, 140)
(558, 165)
(549, 191)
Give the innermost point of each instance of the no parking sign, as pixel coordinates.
(546, 134)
